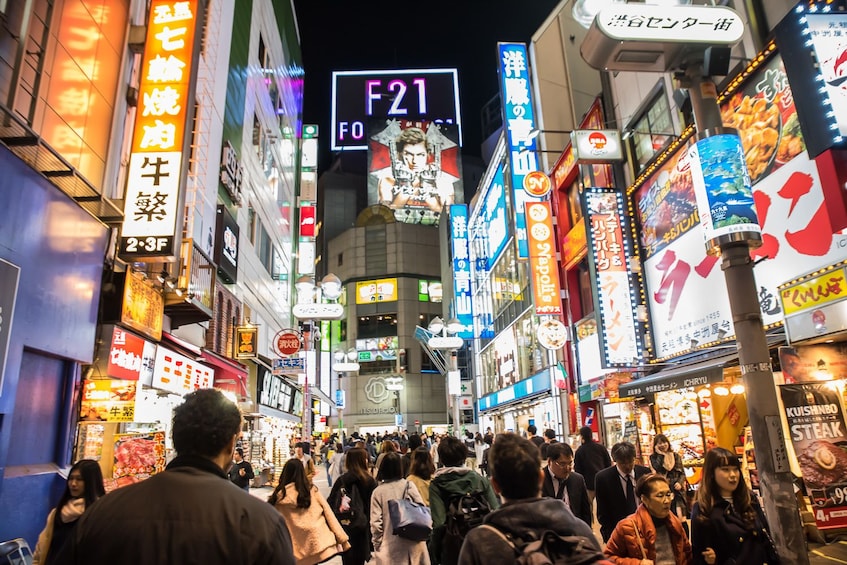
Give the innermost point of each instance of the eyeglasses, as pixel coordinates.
(563, 464)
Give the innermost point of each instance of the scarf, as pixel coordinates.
(670, 460)
(72, 510)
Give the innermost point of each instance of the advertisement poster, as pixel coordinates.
(813, 363)
(107, 400)
(816, 424)
(414, 168)
(722, 187)
(139, 455)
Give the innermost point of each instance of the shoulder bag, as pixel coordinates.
(409, 519)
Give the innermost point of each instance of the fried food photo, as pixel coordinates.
(823, 463)
(757, 123)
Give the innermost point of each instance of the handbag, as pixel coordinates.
(409, 519)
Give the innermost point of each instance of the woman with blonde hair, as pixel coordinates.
(388, 446)
(421, 471)
(316, 534)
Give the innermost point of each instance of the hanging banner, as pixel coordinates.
(543, 267)
(816, 423)
(246, 338)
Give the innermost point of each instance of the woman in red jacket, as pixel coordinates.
(653, 535)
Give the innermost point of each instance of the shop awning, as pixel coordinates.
(695, 374)
(229, 375)
(268, 411)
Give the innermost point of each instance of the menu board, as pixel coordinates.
(107, 400)
(139, 455)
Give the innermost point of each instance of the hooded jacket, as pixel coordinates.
(447, 483)
(523, 519)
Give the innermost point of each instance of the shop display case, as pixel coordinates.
(686, 419)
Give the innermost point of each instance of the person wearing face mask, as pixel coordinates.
(653, 535)
(727, 524)
(84, 486)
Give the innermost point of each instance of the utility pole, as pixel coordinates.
(775, 475)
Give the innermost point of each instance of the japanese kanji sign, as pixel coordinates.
(178, 374)
(716, 25)
(155, 164)
(518, 117)
(462, 298)
(543, 267)
(609, 251)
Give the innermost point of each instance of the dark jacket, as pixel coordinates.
(447, 483)
(360, 539)
(611, 498)
(577, 493)
(732, 539)
(190, 514)
(590, 459)
(634, 539)
(523, 519)
(235, 476)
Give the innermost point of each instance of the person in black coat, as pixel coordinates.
(357, 477)
(615, 501)
(727, 524)
(590, 458)
(562, 483)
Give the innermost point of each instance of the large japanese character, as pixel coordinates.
(768, 302)
(159, 135)
(170, 38)
(161, 101)
(165, 69)
(157, 173)
(673, 281)
(513, 63)
(151, 206)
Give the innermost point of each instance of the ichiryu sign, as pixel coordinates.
(642, 37)
(318, 311)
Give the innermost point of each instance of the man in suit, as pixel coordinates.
(615, 488)
(562, 483)
(591, 458)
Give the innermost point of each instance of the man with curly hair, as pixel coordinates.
(190, 513)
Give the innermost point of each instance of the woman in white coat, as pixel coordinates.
(388, 548)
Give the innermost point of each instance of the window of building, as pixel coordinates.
(652, 128)
(377, 325)
(340, 259)
(265, 251)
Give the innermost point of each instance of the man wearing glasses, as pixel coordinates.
(562, 483)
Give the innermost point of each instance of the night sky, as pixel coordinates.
(381, 34)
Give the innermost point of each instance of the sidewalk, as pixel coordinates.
(828, 554)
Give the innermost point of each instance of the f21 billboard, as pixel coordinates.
(412, 94)
(414, 168)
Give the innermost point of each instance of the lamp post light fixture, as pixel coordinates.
(449, 344)
(345, 362)
(309, 308)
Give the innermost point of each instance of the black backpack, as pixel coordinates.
(349, 508)
(464, 512)
(553, 549)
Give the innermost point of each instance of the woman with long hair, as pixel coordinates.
(727, 523)
(315, 532)
(356, 486)
(668, 463)
(421, 471)
(653, 534)
(388, 446)
(84, 486)
(390, 549)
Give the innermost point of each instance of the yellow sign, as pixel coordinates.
(381, 290)
(143, 306)
(814, 293)
(107, 400)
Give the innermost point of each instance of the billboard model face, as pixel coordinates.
(414, 168)
(410, 94)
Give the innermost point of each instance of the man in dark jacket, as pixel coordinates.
(561, 483)
(450, 481)
(616, 488)
(190, 513)
(514, 463)
(590, 458)
(241, 472)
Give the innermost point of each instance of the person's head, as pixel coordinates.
(356, 462)
(414, 442)
(206, 424)
(239, 455)
(722, 479)
(549, 435)
(339, 447)
(515, 467)
(655, 494)
(452, 452)
(293, 473)
(412, 148)
(422, 465)
(661, 443)
(560, 460)
(298, 450)
(388, 446)
(468, 434)
(531, 430)
(85, 480)
(585, 434)
(390, 468)
(623, 454)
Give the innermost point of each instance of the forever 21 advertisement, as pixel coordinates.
(816, 423)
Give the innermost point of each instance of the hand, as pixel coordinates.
(677, 486)
(709, 556)
(241, 472)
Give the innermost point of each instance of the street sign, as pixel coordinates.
(339, 398)
(287, 342)
(318, 311)
(289, 365)
(449, 342)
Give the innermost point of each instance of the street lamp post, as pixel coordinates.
(310, 309)
(449, 344)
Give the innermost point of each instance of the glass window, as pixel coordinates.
(651, 131)
(377, 325)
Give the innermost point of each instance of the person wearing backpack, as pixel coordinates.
(459, 498)
(356, 486)
(527, 528)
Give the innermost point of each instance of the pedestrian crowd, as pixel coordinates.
(410, 499)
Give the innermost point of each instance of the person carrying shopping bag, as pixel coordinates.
(316, 534)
